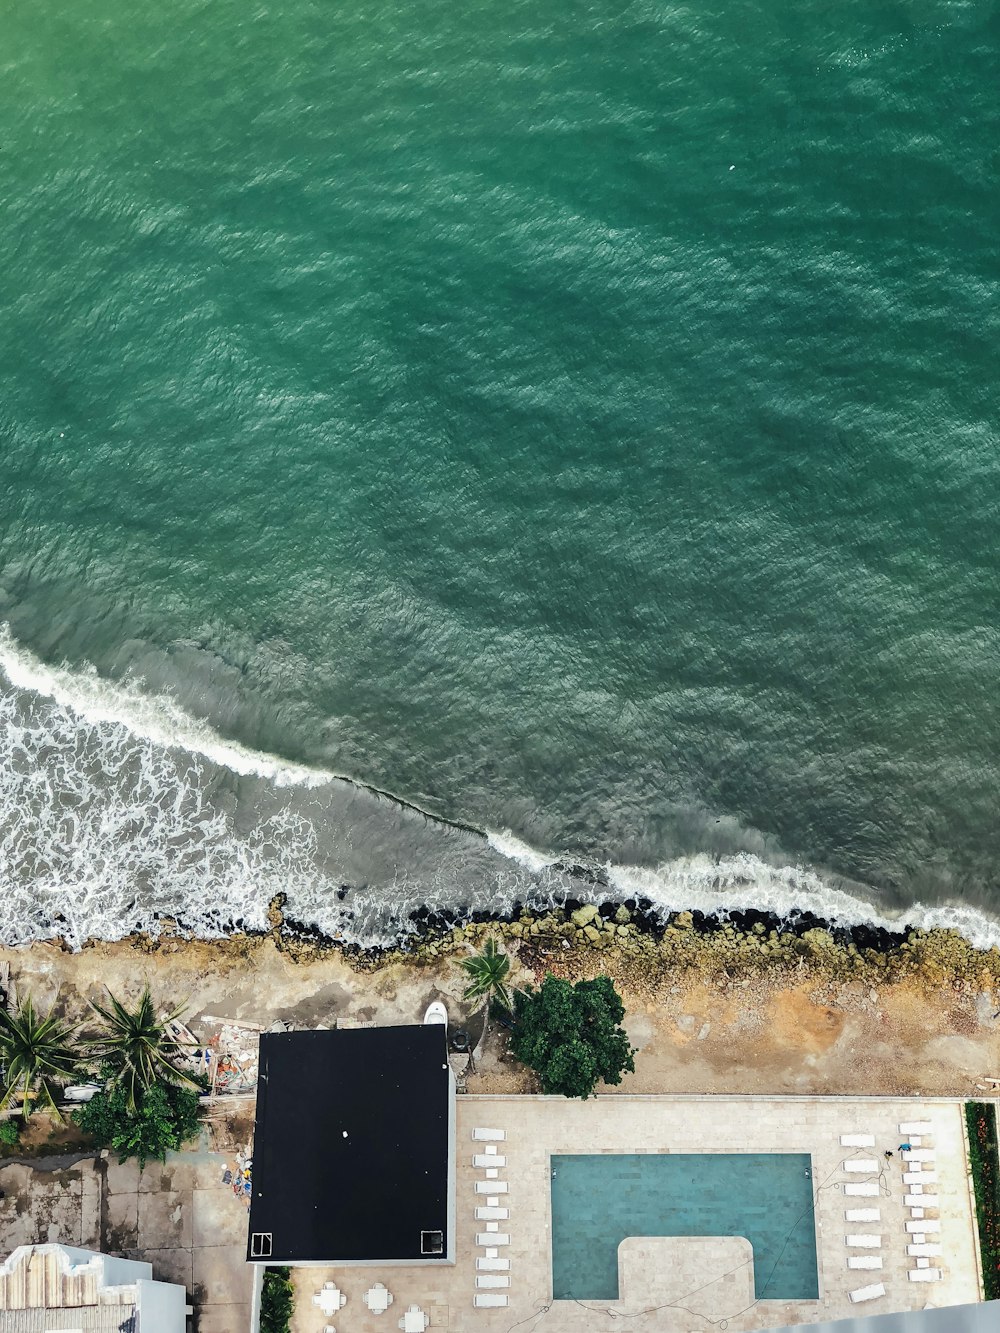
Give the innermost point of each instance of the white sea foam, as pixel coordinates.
(103, 831)
(110, 819)
(745, 882)
(152, 717)
(508, 845)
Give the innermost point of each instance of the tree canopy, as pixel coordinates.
(163, 1119)
(571, 1035)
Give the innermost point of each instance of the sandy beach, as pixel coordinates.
(799, 1026)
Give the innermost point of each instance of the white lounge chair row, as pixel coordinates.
(491, 1270)
(918, 1178)
(858, 1240)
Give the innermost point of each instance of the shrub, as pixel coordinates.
(980, 1118)
(9, 1133)
(164, 1118)
(276, 1301)
(571, 1035)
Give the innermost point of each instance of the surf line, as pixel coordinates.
(160, 720)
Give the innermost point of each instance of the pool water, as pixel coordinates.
(599, 1200)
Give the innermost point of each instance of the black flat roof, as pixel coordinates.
(351, 1145)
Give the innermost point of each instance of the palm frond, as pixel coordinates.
(136, 1046)
(487, 973)
(39, 1054)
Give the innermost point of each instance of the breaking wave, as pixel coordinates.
(119, 812)
(151, 717)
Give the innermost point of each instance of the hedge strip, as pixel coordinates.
(980, 1117)
(276, 1301)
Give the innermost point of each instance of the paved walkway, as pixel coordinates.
(177, 1216)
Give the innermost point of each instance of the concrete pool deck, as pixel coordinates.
(677, 1285)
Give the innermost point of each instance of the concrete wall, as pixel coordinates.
(161, 1307)
(117, 1272)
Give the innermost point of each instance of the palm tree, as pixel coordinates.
(487, 973)
(136, 1048)
(38, 1054)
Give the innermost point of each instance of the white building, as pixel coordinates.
(56, 1288)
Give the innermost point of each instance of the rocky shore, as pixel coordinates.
(741, 944)
(745, 1005)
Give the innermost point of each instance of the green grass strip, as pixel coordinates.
(980, 1117)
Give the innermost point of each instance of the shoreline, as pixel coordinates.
(734, 944)
(710, 1007)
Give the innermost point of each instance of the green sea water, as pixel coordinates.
(577, 419)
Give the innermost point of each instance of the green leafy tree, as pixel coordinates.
(164, 1119)
(571, 1035)
(136, 1050)
(39, 1055)
(276, 1301)
(487, 972)
(9, 1133)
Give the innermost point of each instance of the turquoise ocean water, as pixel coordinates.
(579, 420)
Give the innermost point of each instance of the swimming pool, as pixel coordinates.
(598, 1200)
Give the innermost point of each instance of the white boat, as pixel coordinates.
(436, 1013)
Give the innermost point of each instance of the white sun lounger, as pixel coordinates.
(493, 1265)
(919, 1155)
(491, 1187)
(922, 1200)
(866, 1164)
(867, 1293)
(492, 1214)
(926, 1224)
(862, 1188)
(924, 1274)
(916, 1127)
(492, 1238)
(857, 1140)
(924, 1251)
(863, 1215)
(489, 1135)
(919, 1177)
(863, 1261)
(865, 1241)
(482, 1159)
(493, 1280)
(489, 1300)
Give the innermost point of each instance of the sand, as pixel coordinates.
(794, 1031)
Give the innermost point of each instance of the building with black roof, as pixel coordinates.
(354, 1148)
